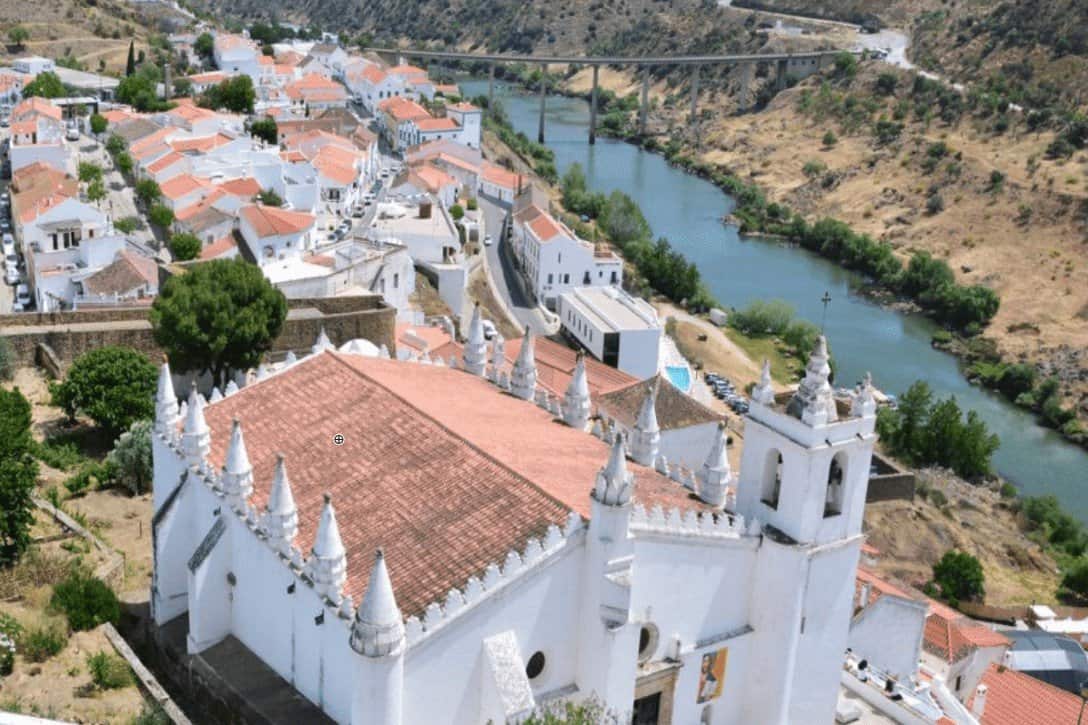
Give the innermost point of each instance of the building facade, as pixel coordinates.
(561, 572)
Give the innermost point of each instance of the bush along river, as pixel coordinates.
(865, 336)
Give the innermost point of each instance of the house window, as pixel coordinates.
(647, 642)
(396, 280)
(550, 278)
(772, 479)
(615, 277)
(566, 279)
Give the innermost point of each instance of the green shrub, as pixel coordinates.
(937, 498)
(830, 139)
(763, 317)
(109, 672)
(127, 225)
(959, 576)
(1008, 490)
(131, 458)
(7, 359)
(92, 475)
(185, 246)
(86, 601)
(813, 168)
(42, 642)
(58, 453)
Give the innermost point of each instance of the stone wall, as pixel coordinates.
(70, 334)
(889, 483)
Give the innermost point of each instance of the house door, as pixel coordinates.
(647, 710)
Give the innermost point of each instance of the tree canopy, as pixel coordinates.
(234, 94)
(98, 123)
(265, 129)
(204, 46)
(185, 246)
(45, 85)
(18, 472)
(114, 386)
(959, 577)
(218, 317)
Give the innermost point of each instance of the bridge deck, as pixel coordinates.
(608, 60)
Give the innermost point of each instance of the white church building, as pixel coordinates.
(432, 542)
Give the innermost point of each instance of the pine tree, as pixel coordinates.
(130, 65)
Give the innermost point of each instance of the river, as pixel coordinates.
(863, 336)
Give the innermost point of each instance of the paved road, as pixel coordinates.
(503, 275)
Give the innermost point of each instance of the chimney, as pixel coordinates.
(425, 210)
(979, 705)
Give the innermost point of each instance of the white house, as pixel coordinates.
(237, 54)
(37, 135)
(371, 85)
(469, 119)
(32, 65)
(618, 329)
(273, 234)
(554, 260)
(551, 569)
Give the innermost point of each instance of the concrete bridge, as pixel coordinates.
(785, 64)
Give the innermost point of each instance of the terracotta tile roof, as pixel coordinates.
(499, 176)
(373, 74)
(215, 76)
(151, 140)
(245, 186)
(165, 162)
(127, 272)
(269, 221)
(322, 260)
(403, 109)
(674, 408)
(35, 106)
(437, 124)
(116, 115)
(459, 163)
(1014, 698)
(506, 470)
(24, 128)
(877, 587)
(422, 338)
(200, 144)
(191, 112)
(182, 185)
(219, 247)
(407, 70)
(433, 178)
(555, 367)
(545, 228)
(952, 635)
(290, 57)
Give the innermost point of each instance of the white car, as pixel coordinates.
(487, 240)
(9, 245)
(11, 274)
(22, 296)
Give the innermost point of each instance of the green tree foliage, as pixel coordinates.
(89, 171)
(130, 63)
(1075, 579)
(269, 197)
(183, 87)
(1045, 516)
(86, 601)
(124, 163)
(115, 145)
(7, 359)
(959, 577)
(830, 139)
(18, 35)
(18, 473)
(763, 317)
(846, 65)
(886, 83)
(185, 247)
(114, 386)
(98, 123)
(457, 212)
(148, 191)
(161, 216)
(131, 458)
(204, 46)
(45, 85)
(265, 129)
(96, 191)
(218, 317)
(234, 94)
(926, 432)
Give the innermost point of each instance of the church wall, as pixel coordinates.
(542, 611)
(691, 589)
(828, 592)
(690, 445)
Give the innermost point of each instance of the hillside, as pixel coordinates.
(95, 33)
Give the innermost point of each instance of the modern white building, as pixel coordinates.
(617, 328)
(461, 555)
(274, 234)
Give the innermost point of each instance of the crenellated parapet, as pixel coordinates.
(497, 577)
(687, 524)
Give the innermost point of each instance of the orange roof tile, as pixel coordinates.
(545, 228)
(373, 74)
(500, 177)
(403, 109)
(406, 70)
(269, 221)
(1014, 698)
(200, 144)
(219, 247)
(464, 107)
(165, 162)
(182, 185)
(507, 469)
(952, 635)
(245, 186)
(434, 178)
(437, 124)
(35, 106)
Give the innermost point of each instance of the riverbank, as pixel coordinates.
(1023, 329)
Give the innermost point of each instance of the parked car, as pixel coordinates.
(22, 295)
(9, 244)
(11, 274)
(487, 240)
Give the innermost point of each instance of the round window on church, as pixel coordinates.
(647, 642)
(535, 666)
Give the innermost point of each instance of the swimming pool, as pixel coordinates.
(680, 376)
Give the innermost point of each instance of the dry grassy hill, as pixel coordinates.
(91, 31)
